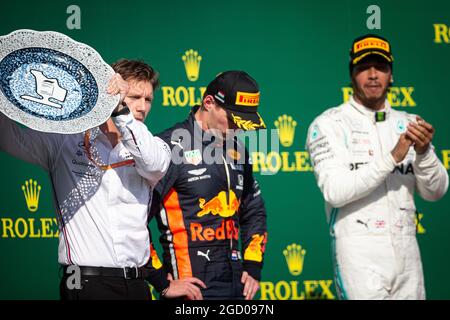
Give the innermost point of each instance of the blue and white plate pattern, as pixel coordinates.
(52, 83)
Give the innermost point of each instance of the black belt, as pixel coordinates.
(125, 273)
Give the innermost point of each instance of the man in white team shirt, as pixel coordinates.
(102, 181)
(369, 159)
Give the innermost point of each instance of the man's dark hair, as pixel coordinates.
(137, 70)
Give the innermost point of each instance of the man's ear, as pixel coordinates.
(208, 102)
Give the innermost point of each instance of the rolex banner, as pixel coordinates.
(298, 51)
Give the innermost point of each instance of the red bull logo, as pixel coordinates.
(227, 230)
(256, 248)
(156, 263)
(224, 205)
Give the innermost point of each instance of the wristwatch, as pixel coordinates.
(122, 111)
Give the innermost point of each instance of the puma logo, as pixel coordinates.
(363, 223)
(199, 253)
(177, 143)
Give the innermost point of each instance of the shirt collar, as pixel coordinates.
(369, 112)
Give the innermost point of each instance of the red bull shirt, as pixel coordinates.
(208, 207)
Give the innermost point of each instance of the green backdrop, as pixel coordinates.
(298, 52)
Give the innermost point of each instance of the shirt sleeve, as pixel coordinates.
(431, 176)
(330, 157)
(253, 224)
(29, 145)
(151, 154)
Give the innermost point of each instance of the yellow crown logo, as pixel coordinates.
(192, 64)
(31, 191)
(286, 129)
(295, 257)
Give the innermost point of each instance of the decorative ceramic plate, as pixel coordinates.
(52, 83)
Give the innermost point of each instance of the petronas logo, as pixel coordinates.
(31, 191)
(295, 256)
(192, 61)
(286, 129)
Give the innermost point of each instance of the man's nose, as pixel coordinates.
(141, 104)
(373, 74)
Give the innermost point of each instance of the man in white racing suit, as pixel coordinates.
(368, 160)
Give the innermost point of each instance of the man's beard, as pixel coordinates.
(370, 102)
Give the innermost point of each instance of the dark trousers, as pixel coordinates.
(106, 288)
(223, 281)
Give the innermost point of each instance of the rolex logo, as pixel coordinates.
(192, 64)
(31, 191)
(295, 256)
(286, 129)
